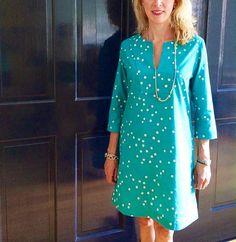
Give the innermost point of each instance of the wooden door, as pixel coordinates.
(217, 204)
(57, 63)
(57, 67)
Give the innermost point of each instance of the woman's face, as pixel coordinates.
(158, 11)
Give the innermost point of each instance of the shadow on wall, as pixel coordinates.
(109, 53)
(107, 64)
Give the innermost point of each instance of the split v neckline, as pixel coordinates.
(156, 68)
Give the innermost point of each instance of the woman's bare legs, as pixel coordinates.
(152, 231)
(146, 229)
(162, 234)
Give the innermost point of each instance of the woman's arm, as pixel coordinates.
(113, 142)
(201, 96)
(111, 166)
(202, 173)
(203, 149)
(205, 124)
(116, 110)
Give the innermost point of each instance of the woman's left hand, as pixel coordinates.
(202, 176)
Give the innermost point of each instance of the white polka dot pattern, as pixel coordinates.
(155, 177)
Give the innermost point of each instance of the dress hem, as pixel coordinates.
(164, 222)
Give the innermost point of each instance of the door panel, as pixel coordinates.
(28, 190)
(27, 137)
(217, 203)
(101, 31)
(26, 51)
(58, 61)
(221, 36)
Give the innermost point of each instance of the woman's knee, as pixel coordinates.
(163, 232)
(146, 222)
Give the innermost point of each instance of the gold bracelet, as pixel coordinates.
(111, 156)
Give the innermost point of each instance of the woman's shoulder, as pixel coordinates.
(196, 40)
(195, 45)
(130, 41)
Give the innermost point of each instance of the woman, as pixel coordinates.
(162, 70)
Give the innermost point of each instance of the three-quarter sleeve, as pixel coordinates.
(204, 117)
(118, 98)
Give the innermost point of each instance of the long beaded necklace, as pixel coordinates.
(173, 83)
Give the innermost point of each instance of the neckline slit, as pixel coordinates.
(156, 68)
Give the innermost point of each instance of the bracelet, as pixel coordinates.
(204, 162)
(111, 156)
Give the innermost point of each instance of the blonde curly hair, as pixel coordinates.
(182, 20)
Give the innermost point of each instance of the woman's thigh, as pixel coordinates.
(143, 221)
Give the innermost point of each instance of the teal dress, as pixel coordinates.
(156, 144)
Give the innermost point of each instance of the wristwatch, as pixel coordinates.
(204, 162)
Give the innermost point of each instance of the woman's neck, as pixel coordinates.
(159, 32)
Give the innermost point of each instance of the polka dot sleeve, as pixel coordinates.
(205, 125)
(119, 97)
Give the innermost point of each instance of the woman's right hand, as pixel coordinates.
(111, 170)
